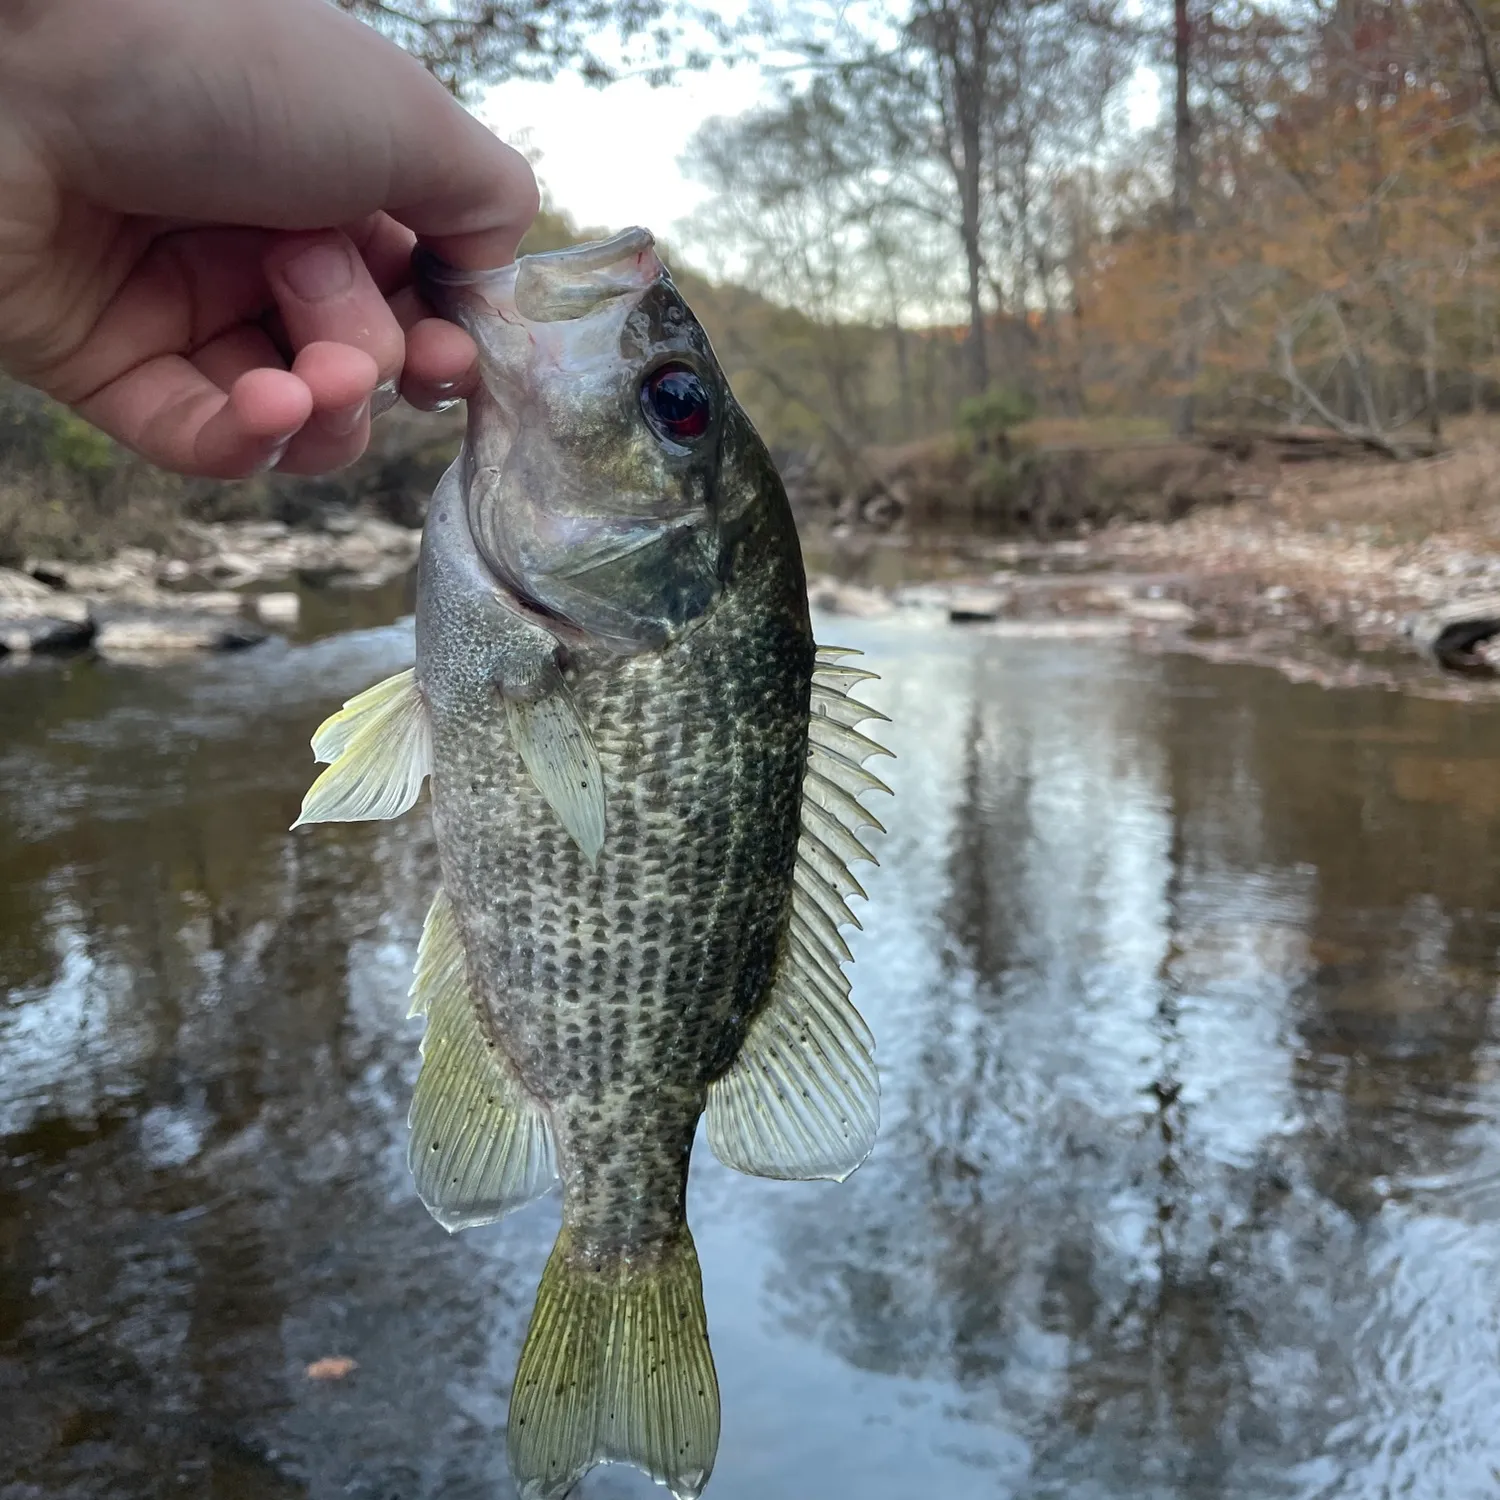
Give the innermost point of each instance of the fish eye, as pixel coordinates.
(676, 403)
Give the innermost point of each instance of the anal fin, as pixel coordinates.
(481, 1145)
(802, 1099)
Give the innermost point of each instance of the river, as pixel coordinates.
(1184, 979)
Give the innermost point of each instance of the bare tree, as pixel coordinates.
(467, 42)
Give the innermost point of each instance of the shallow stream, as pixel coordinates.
(1185, 984)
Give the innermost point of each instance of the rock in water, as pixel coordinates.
(1456, 636)
(148, 633)
(35, 618)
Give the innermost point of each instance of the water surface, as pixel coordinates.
(1189, 1185)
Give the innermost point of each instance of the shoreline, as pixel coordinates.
(1312, 578)
(239, 588)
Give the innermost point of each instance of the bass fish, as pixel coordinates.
(644, 786)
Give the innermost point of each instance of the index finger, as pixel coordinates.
(171, 413)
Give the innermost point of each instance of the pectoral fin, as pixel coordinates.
(559, 752)
(379, 749)
(480, 1145)
(802, 1099)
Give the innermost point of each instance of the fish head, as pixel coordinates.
(605, 469)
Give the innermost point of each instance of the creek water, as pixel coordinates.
(1184, 979)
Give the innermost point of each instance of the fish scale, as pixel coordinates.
(645, 785)
(622, 986)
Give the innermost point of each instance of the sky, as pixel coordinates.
(610, 156)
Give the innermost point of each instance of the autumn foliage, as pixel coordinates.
(1342, 267)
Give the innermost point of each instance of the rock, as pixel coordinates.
(1061, 630)
(44, 635)
(232, 567)
(964, 604)
(169, 632)
(34, 618)
(277, 609)
(264, 531)
(131, 567)
(209, 601)
(847, 599)
(1457, 636)
(50, 574)
(1161, 611)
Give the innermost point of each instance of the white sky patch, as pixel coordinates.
(609, 156)
(1143, 99)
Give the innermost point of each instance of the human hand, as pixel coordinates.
(207, 211)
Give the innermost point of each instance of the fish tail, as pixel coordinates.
(616, 1368)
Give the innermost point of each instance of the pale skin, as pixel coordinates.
(207, 212)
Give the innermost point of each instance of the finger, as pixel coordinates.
(341, 380)
(185, 290)
(175, 416)
(442, 364)
(236, 353)
(385, 246)
(325, 294)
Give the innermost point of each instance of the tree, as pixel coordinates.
(466, 42)
(957, 118)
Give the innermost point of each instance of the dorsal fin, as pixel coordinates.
(480, 1144)
(802, 1099)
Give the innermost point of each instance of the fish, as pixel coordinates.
(645, 779)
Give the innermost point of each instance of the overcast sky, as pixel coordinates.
(610, 156)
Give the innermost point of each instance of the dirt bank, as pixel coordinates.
(1316, 570)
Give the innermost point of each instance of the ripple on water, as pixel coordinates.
(1189, 1183)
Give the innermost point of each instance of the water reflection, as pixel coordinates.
(1189, 1183)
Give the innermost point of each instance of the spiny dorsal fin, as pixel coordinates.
(802, 1099)
(559, 752)
(616, 1367)
(480, 1144)
(379, 750)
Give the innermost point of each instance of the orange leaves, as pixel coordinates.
(1348, 242)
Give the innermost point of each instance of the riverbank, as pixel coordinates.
(1313, 566)
(1316, 569)
(239, 582)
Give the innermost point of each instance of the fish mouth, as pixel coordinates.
(553, 286)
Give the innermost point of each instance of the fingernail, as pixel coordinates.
(341, 423)
(386, 396)
(277, 453)
(319, 272)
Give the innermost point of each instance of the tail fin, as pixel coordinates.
(616, 1368)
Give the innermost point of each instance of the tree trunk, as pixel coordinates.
(903, 379)
(969, 79)
(1430, 394)
(1183, 204)
(979, 364)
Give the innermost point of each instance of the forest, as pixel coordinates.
(1308, 235)
(943, 223)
